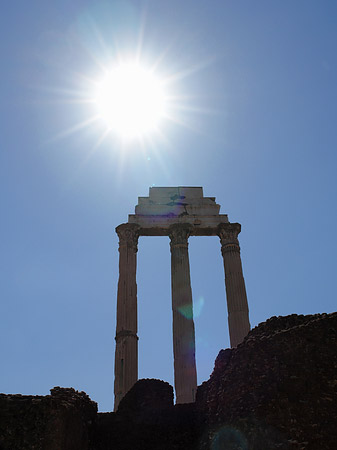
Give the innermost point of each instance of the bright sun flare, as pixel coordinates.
(131, 100)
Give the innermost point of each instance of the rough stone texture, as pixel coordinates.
(276, 390)
(63, 420)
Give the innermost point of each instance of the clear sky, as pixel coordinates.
(253, 121)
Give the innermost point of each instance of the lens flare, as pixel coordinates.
(187, 310)
(229, 438)
(198, 307)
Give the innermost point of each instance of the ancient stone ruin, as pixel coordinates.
(275, 390)
(176, 212)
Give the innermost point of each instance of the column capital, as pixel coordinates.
(228, 234)
(128, 234)
(179, 234)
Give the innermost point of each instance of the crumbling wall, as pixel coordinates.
(146, 396)
(147, 420)
(278, 389)
(63, 420)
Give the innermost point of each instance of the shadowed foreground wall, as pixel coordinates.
(279, 387)
(60, 421)
(276, 390)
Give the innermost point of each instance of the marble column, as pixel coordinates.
(237, 305)
(126, 356)
(185, 375)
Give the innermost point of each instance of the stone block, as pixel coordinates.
(159, 210)
(176, 201)
(160, 192)
(191, 192)
(203, 210)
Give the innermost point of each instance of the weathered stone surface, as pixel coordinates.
(63, 420)
(170, 205)
(176, 201)
(277, 389)
(177, 212)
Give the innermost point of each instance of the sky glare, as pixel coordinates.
(252, 119)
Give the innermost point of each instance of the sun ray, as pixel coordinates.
(140, 39)
(123, 126)
(189, 71)
(73, 129)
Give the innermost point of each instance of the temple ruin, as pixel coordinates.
(176, 212)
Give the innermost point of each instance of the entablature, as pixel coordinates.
(160, 225)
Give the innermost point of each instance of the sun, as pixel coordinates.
(131, 100)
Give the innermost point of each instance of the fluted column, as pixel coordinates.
(237, 305)
(126, 356)
(185, 375)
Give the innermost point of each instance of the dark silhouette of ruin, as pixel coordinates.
(275, 390)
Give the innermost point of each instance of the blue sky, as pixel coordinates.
(255, 126)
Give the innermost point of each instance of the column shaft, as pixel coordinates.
(237, 304)
(185, 375)
(126, 355)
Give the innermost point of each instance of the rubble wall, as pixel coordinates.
(279, 387)
(63, 420)
(276, 390)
